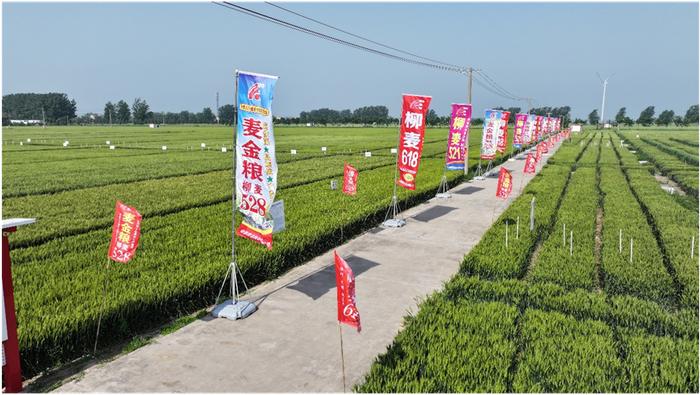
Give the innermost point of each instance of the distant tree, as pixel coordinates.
(123, 112)
(579, 121)
(679, 121)
(432, 118)
(206, 116)
(620, 117)
(139, 110)
(646, 117)
(226, 114)
(665, 117)
(56, 107)
(628, 121)
(593, 117)
(109, 112)
(691, 116)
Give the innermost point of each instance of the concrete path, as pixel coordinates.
(291, 344)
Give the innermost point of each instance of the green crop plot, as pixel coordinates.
(589, 318)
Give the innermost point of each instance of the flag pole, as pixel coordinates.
(393, 222)
(342, 356)
(102, 309)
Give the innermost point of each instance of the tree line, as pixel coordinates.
(54, 108)
(646, 117)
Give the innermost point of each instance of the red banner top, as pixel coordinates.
(411, 138)
(345, 284)
(505, 184)
(126, 231)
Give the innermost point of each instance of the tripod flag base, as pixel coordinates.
(234, 310)
(444, 195)
(393, 223)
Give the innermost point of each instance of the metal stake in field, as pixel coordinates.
(102, 309)
(563, 236)
(631, 248)
(620, 242)
(532, 214)
(692, 247)
(234, 308)
(517, 228)
(571, 243)
(506, 234)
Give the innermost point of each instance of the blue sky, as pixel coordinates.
(178, 55)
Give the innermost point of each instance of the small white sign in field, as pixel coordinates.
(164, 148)
(368, 154)
(323, 149)
(393, 150)
(294, 152)
(65, 143)
(108, 142)
(29, 140)
(575, 128)
(223, 149)
(203, 145)
(111, 147)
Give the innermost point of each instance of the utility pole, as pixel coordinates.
(529, 104)
(470, 71)
(217, 108)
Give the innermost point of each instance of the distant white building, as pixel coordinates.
(25, 122)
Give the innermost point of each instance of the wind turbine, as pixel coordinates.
(605, 87)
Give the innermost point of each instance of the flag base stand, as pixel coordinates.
(234, 310)
(442, 189)
(479, 175)
(487, 172)
(394, 221)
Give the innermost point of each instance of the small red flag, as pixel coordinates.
(126, 231)
(345, 283)
(505, 184)
(529, 164)
(350, 180)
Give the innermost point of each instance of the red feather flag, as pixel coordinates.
(345, 284)
(529, 164)
(505, 184)
(350, 180)
(126, 231)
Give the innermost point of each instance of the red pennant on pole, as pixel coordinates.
(350, 180)
(505, 184)
(529, 164)
(345, 284)
(126, 231)
(503, 132)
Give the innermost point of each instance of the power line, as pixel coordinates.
(336, 40)
(360, 37)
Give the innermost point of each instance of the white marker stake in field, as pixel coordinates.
(506, 233)
(631, 248)
(692, 247)
(324, 149)
(563, 236)
(368, 154)
(203, 145)
(223, 149)
(65, 143)
(393, 150)
(620, 241)
(293, 152)
(571, 243)
(21, 143)
(517, 228)
(108, 142)
(111, 147)
(164, 148)
(29, 140)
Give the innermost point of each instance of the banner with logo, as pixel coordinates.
(489, 136)
(519, 130)
(458, 137)
(529, 164)
(539, 119)
(503, 132)
(345, 285)
(256, 165)
(349, 180)
(540, 150)
(411, 138)
(529, 131)
(505, 184)
(126, 231)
